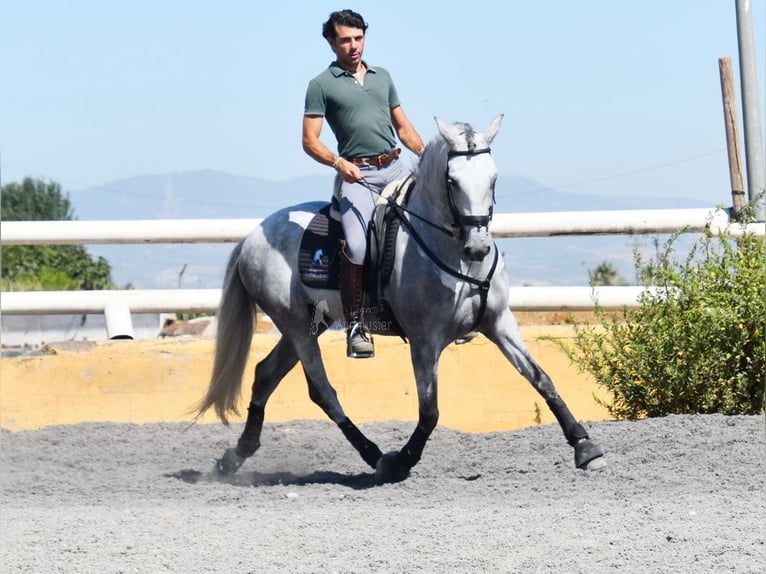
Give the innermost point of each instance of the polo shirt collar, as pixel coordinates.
(337, 71)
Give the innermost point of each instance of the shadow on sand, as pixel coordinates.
(354, 481)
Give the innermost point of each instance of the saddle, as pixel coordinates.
(319, 253)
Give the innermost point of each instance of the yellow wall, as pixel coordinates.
(161, 380)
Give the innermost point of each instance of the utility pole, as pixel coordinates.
(756, 171)
(731, 126)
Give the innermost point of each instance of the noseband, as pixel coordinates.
(461, 220)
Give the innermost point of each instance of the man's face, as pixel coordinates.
(348, 45)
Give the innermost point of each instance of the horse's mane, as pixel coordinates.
(433, 149)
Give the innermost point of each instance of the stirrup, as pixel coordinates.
(358, 344)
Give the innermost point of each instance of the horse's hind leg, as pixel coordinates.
(509, 340)
(268, 374)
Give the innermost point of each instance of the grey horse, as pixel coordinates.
(447, 283)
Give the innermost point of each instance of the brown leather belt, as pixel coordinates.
(381, 160)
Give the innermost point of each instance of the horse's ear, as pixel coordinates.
(445, 132)
(491, 132)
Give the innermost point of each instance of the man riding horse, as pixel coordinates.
(447, 279)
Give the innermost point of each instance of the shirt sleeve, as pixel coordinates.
(316, 103)
(393, 95)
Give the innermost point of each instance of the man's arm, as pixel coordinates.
(313, 146)
(406, 131)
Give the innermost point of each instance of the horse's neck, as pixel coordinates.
(429, 200)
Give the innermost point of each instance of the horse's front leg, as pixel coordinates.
(507, 337)
(395, 466)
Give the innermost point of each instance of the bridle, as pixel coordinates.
(460, 220)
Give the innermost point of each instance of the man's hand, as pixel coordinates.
(348, 171)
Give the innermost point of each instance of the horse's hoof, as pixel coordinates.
(229, 463)
(595, 464)
(389, 470)
(588, 456)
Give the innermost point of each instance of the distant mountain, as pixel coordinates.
(522, 195)
(194, 194)
(212, 194)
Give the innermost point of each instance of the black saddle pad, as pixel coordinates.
(318, 256)
(319, 262)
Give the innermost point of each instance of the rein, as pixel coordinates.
(459, 219)
(483, 285)
(401, 209)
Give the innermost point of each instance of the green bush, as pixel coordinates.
(46, 267)
(45, 279)
(694, 345)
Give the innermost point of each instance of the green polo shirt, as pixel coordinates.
(359, 116)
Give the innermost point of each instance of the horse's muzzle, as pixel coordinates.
(476, 254)
(477, 243)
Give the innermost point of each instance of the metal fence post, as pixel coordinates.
(756, 175)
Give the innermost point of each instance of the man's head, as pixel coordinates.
(344, 32)
(347, 18)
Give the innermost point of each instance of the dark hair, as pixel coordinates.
(343, 18)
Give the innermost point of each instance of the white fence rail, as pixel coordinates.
(204, 300)
(504, 225)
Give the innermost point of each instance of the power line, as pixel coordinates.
(590, 181)
(629, 173)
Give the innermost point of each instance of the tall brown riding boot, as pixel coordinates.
(358, 344)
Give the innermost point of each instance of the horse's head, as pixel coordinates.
(470, 176)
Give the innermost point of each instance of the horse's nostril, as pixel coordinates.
(474, 254)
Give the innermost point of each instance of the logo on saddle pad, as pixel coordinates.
(319, 320)
(374, 319)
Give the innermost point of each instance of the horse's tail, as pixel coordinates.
(234, 333)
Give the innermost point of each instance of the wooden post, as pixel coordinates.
(732, 136)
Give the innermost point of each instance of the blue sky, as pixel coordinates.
(603, 97)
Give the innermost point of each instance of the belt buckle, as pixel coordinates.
(375, 161)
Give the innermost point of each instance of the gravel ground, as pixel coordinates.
(680, 494)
